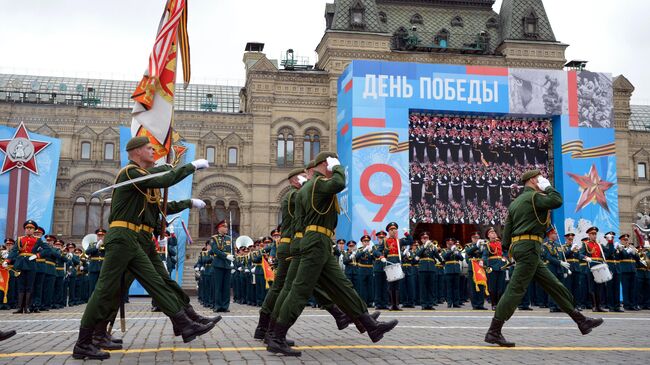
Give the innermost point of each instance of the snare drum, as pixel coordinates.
(601, 273)
(394, 272)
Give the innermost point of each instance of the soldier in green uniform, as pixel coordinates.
(316, 215)
(527, 220)
(426, 257)
(221, 250)
(41, 268)
(364, 260)
(13, 289)
(123, 251)
(49, 260)
(350, 266)
(95, 252)
(380, 285)
(410, 282)
(474, 252)
(23, 258)
(452, 257)
(613, 287)
(627, 265)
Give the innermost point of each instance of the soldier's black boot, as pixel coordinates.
(396, 301)
(494, 334)
(596, 299)
(191, 313)
(376, 329)
(342, 320)
(28, 303)
(6, 335)
(276, 341)
(360, 326)
(102, 340)
(85, 349)
(585, 324)
(188, 328)
(262, 326)
(21, 304)
(269, 333)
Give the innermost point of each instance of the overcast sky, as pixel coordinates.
(112, 39)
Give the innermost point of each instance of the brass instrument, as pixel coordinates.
(488, 270)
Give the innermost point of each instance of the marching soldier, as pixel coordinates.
(612, 254)
(95, 252)
(23, 257)
(365, 259)
(474, 252)
(628, 256)
(222, 258)
(553, 257)
(528, 217)
(426, 257)
(379, 275)
(452, 258)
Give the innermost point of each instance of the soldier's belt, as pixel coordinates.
(60, 268)
(642, 268)
(393, 255)
(365, 265)
(451, 262)
(285, 240)
(297, 235)
(124, 224)
(526, 237)
(96, 259)
(319, 229)
(146, 228)
(571, 260)
(50, 263)
(257, 264)
(406, 265)
(40, 260)
(495, 257)
(26, 254)
(426, 259)
(628, 261)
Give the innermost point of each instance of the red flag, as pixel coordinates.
(480, 278)
(269, 275)
(4, 283)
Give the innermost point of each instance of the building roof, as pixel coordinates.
(512, 14)
(100, 93)
(640, 118)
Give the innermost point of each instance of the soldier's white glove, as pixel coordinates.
(368, 248)
(230, 257)
(4, 264)
(5, 255)
(247, 270)
(588, 259)
(32, 257)
(575, 246)
(646, 244)
(383, 259)
(99, 243)
(301, 180)
(197, 269)
(162, 242)
(331, 162)
(565, 265)
(203, 269)
(198, 203)
(480, 263)
(543, 183)
(201, 164)
(232, 271)
(81, 268)
(417, 258)
(407, 254)
(239, 269)
(631, 250)
(69, 255)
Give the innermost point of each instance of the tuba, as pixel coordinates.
(243, 241)
(88, 240)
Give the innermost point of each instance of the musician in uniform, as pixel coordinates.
(613, 287)
(95, 252)
(592, 253)
(365, 260)
(495, 262)
(390, 256)
(642, 279)
(41, 268)
(575, 282)
(452, 257)
(628, 256)
(349, 260)
(426, 257)
(23, 258)
(474, 252)
(528, 217)
(379, 275)
(222, 258)
(553, 257)
(409, 288)
(13, 289)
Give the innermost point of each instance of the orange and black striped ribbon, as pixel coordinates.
(390, 139)
(184, 42)
(577, 150)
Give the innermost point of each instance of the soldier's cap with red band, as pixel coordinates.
(352, 243)
(10, 240)
(569, 234)
(100, 231)
(40, 229)
(59, 242)
(50, 236)
(624, 236)
(340, 240)
(267, 239)
(70, 245)
(584, 239)
(222, 223)
(382, 234)
(592, 229)
(391, 225)
(30, 223)
(365, 237)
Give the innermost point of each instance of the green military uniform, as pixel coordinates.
(380, 284)
(95, 253)
(123, 251)
(426, 257)
(220, 250)
(364, 260)
(473, 253)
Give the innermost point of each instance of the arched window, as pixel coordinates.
(109, 151)
(94, 220)
(233, 209)
(641, 171)
(416, 19)
(232, 156)
(382, 17)
(79, 217)
(442, 38)
(219, 214)
(85, 150)
(210, 154)
(457, 21)
(285, 148)
(311, 146)
(205, 221)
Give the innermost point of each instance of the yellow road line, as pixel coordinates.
(361, 347)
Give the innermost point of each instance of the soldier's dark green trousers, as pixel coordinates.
(530, 267)
(123, 252)
(280, 276)
(319, 267)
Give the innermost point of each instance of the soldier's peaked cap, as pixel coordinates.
(529, 175)
(321, 157)
(136, 142)
(365, 237)
(592, 229)
(30, 223)
(100, 230)
(391, 225)
(295, 172)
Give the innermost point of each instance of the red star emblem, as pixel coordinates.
(592, 188)
(20, 151)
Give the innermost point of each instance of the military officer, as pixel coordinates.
(553, 257)
(474, 253)
(222, 258)
(642, 280)
(317, 213)
(95, 252)
(575, 282)
(58, 299)
(408, 286)
(23, 258)
(628, 256)
(72, 274)
(593, 253)
(528, 217)
(123, 251)
(380, 287)
(426, 257)
(49, 256)
(493, 256)
(452, 257)
(349, 260)
(613, 287)
(390, 256)
(262, 251)
(365, 260)
(41, 268)
(13, 289)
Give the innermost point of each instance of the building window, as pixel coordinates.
(109, 151)
(87, 216)
(442, 38)
(530, 25)
(357, 15)
(382, 17)
(210, 154)
(232, 156)
(79, 217)
(85, 150)
(416, 19)
(457, 22)
(285, 148)
(210, 216)
(311, 146)
(492, 23)
(641, 171)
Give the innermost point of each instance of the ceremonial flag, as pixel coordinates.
(480, 278)
(4, 283)
(269, 275)
(154, 96)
